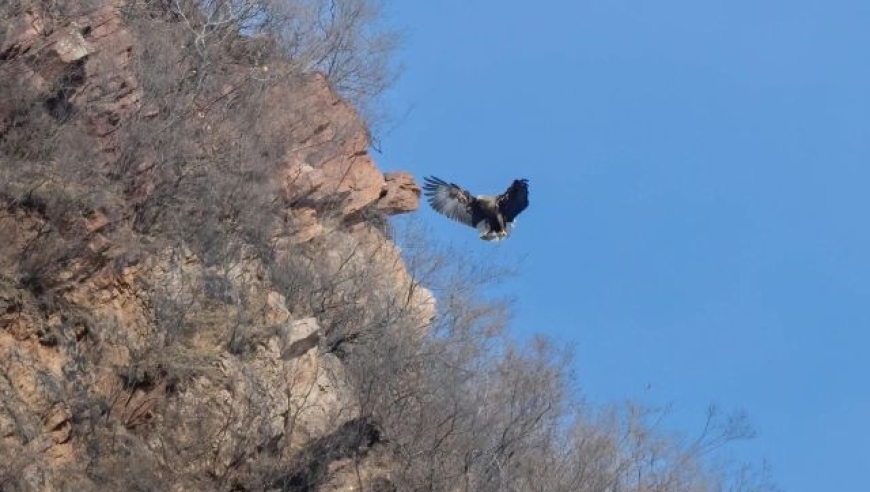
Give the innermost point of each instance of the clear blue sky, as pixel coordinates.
(699, 175)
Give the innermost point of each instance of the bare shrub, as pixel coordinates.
(465, 408)
(343, 39)
(190, 178)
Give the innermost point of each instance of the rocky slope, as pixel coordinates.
(135, 354)
(199, 290)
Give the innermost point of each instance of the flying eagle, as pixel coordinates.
(492, 216)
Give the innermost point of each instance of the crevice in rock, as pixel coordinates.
(353, 439)
(60, 105)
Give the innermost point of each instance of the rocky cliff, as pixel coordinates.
(199, 289)
(186, 260)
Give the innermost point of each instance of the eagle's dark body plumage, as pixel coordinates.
(493, 216)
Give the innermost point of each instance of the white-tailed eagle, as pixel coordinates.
(492, 216)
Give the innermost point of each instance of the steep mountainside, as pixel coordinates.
(200, 289)
(182, 257)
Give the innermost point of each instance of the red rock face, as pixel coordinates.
(324, 176)
(88, 54)
(334, 161)
(400, 193)
(95, 50)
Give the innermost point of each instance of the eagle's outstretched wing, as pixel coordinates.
(449, 199)
(514, 200)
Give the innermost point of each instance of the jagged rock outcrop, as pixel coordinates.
(399, 194)
(80, 60)
(109, 331)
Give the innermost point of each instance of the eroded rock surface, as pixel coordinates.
(121, 349)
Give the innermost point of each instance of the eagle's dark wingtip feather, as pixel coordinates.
(431, 184)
